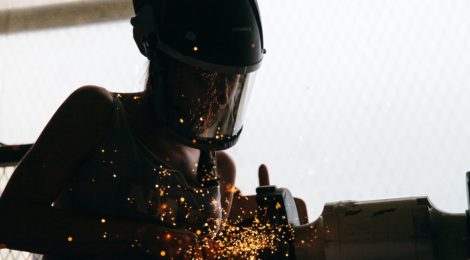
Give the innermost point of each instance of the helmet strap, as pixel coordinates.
(158, 90)
(144, 30)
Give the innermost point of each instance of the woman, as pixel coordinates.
(123, 176)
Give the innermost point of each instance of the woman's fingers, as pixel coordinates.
(263, 175)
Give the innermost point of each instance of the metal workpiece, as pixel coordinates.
(391, 229)
(276, 205)
(409, 228)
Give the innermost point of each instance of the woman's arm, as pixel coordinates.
(227, 172)
(28, 220)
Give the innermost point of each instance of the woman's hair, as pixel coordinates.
(157, 68)
(148, 80)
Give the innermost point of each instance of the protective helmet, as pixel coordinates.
(214, 48)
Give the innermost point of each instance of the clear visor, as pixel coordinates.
(208, 107)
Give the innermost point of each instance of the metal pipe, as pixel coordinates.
(10, 155)
(66, 14)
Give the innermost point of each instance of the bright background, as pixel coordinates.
(356, 100)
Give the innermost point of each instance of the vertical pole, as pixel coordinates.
(467, 213)
(468, 189)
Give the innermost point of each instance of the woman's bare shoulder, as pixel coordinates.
(89, 107)
(86, 112)
(90, 94)
(75, 128)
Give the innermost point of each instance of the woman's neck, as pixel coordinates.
(157, 139)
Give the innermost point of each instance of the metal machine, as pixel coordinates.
(407, 228)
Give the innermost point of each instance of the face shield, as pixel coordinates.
(219, 45)
(207, 108)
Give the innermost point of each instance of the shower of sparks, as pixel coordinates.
(248, 242)
(173, 202)
(245, 242)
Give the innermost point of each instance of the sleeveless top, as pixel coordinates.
(123, 179)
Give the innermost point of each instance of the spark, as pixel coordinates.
(230, 188)
(247, 242)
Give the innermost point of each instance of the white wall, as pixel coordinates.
(362, 99)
